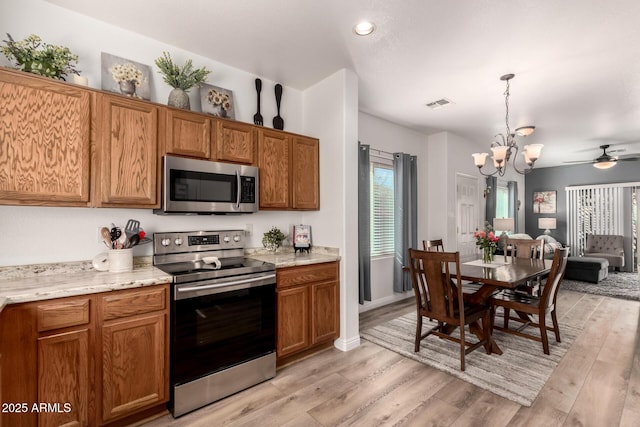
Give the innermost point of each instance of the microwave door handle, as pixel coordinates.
(238, 189)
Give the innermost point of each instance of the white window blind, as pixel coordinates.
(381, 209)
(596, 209)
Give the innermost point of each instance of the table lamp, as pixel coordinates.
(503, 224)
(548, 224)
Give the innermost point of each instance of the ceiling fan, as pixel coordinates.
(606, 160)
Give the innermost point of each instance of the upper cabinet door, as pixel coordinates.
(305, 181)
(188, 134)
(235, 142)
(274, 168)
(45, 145)
(128, 160)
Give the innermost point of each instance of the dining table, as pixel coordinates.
(501, 273)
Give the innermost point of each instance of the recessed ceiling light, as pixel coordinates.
(364, 28)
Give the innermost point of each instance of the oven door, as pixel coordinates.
(219, 325)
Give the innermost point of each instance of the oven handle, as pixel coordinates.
(238, 189)
(216, 288)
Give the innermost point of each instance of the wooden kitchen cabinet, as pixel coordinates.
(128, 143)
(308, 309)
(187, 134)
(274, 165)
(305, 178)
(45, 141)
(104, 355)
(134, 351)
(289, 171)
(234, 142)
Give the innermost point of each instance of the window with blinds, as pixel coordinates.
(381, 209)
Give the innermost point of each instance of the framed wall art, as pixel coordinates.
(217, 101)
(124, 76)
(544, 202)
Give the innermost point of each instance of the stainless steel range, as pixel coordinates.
(223, 316)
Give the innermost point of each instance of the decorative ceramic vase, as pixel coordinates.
(128, 87)
(179, 98)
(218, 110)
(487, 255)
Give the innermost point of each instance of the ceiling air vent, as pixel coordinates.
(439, 103)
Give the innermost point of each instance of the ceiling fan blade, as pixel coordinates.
(629, 158)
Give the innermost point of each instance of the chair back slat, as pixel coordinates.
(550, 290)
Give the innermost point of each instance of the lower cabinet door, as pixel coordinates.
(293, 320)
(64, 379)
(325, 323)
(133, 365)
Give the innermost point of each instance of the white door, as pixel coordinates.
(468, 206)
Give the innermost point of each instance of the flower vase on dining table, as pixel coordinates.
(487, 255)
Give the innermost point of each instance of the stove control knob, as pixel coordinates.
(178, 241)
(226, 239)
(165, 242)
(236, 238)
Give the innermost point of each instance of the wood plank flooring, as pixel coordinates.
(597, 383)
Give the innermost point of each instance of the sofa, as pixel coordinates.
(607, 246)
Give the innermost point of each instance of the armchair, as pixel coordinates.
(607, 246)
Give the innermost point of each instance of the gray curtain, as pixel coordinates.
(405, 194)
(490, 199)
(364, 221)
(512, 188)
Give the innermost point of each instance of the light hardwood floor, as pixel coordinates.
(597, 383)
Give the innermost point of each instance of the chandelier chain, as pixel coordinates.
(506, 118)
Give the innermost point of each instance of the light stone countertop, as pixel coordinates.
(27, 283)
(47, 281)
(285, 257)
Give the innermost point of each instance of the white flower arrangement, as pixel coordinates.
(127, 72)
(219, 98)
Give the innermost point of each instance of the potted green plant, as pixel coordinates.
(34, 56)
(273, 239)
(181, 79)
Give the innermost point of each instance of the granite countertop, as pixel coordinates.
(27, 283)
(38, 282)
(286, 257)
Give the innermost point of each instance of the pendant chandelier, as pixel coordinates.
(506, 149)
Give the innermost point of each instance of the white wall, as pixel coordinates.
(331, 113)
(39, 234)
(386, 136)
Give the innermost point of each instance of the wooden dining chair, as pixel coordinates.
(524, 248)
(438, 293)
(527, 306)
(433, 245)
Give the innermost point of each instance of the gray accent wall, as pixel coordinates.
(557, 178)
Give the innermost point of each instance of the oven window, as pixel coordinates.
(187, 186)
(217, 331)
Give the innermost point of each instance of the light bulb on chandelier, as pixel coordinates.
(506, 149)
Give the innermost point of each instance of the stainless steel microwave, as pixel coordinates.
(191, 186)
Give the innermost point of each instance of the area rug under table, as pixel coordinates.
(617, 285)
(518, 374)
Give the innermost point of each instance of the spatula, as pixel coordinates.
(278, 123)
(257, 118)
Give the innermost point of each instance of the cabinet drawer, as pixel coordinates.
(62, 314)
(130, 303)
(292, 276)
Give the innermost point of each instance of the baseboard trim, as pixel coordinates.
(370, 305)
(347, 345)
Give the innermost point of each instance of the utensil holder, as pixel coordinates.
(120, 260)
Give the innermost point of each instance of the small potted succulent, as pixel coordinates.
(273, 239)
(33, 56)
(181, 79)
